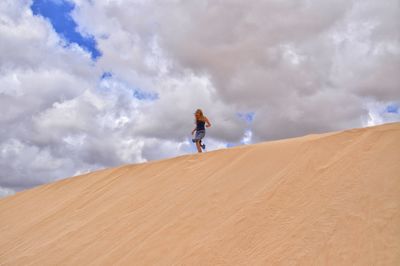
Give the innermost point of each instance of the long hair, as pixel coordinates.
(199, 115)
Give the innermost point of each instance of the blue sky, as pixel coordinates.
(392, 108)
(138, 93)
(59, 15)
(248, 117)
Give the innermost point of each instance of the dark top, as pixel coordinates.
(200, 125)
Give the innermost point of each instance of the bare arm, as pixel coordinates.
(194, 130)
(208, 124)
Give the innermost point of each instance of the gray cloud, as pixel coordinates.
(305, 66)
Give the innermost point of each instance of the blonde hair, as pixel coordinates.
(199, 115)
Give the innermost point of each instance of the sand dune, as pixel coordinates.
(331, 199)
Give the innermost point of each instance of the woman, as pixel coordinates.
(200, 129)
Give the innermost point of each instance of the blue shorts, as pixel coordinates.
(199, 135)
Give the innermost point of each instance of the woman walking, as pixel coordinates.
(200, 129)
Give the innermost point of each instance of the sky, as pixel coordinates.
(86, 85)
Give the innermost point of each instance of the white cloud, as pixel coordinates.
(4, 192)
(378, 113)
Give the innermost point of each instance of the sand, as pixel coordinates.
(331, 199)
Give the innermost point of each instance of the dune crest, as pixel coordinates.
(330, 199)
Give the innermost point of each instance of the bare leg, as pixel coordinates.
(198, 146)
(203, 146)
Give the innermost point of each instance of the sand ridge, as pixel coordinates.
(329, 199)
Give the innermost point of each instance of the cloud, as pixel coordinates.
(305, 66)
(4, 192)
(57, 117)
(260, 71)
(380, 113)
